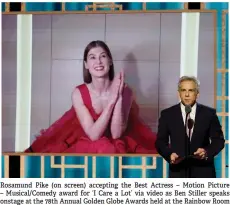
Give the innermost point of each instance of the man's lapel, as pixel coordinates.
(179, 119)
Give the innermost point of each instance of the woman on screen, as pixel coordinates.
(103, 117)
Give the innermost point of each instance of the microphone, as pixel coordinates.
(188, 109)
(190, 123)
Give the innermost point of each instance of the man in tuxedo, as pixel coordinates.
(189, 152)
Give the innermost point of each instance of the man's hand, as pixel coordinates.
(175, 159)
(200, 153)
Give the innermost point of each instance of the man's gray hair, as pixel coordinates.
(189, 78)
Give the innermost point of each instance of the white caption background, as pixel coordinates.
(114, 191)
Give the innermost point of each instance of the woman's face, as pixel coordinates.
(98, 62)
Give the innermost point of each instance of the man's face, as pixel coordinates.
(188, 92)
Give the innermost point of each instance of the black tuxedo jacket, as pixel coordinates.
(207, 134)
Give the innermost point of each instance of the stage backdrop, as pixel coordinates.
(146, 46)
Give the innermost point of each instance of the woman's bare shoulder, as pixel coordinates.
(76, 96)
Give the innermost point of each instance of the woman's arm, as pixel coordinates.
(121, 113)
(94, 130)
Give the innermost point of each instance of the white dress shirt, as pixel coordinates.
(192, 114)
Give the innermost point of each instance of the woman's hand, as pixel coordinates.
(121, 110)
(122, 83)
(115, 88)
